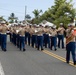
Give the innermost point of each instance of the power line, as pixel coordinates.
(4, 13)
(9, 15)
(10, 10)
(9, 4)
(14, 11)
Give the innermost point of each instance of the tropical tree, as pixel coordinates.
(62, 11)
(28, 17)
(12, 18)
(1, 18)
(16, 21)
(37, 12)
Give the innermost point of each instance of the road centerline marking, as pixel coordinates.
(57, 57)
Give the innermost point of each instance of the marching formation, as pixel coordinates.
(39, 36)
(36, 36)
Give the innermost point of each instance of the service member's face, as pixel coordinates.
(61, 26)
(69, 27)
(41, 26)
(3, 24)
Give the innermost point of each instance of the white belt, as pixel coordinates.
(3, 33)
(40, 35)
(50, 35)
(22, 35)
(60, 34)
(47, 33)
(34, 34)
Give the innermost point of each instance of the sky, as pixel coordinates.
(18, 7)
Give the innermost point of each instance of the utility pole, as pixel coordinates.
(25, 12)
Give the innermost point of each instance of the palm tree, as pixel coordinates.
(37, 12)
(28, 16)
(12, 18)
(1, 18)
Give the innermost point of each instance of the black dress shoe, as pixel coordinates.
(63, 48)
(67, 62)
(50, 48)
(42, 49)
(55, 49)
(38, 48)
(45, 46)
(20, 49)
(24, 49)
(4, 50)
(74, 62)
(58, 47)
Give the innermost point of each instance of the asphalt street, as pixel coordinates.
(33, 62)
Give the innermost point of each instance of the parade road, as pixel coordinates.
(34, 62)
